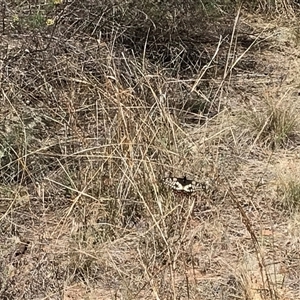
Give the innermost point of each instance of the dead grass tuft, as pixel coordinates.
(288, 187)
(272, 123)
(99, 102)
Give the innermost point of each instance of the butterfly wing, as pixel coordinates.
(197, 186)
(174, 183)
(183, 184)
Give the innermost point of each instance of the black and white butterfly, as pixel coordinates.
(182, 184)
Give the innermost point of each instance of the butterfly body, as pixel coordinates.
(182, 184)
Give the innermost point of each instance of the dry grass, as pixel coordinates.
(271, 123)
(91, 123)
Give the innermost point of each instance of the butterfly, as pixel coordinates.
(182, 184)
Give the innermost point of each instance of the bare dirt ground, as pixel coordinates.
(89, 131)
